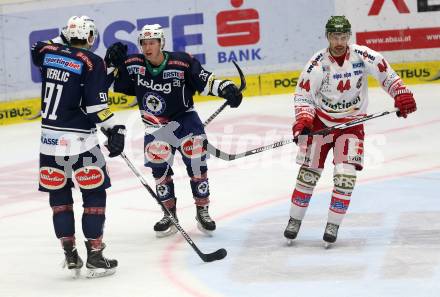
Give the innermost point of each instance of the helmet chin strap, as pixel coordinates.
(90, 43)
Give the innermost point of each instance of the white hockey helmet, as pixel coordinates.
(81, 28)
(152, 32)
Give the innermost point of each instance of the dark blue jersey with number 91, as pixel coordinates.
(74, 93)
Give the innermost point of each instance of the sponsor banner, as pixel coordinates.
(257, 85)
(279, 83)
(405, 30)
(390, 40)
(262, 36)
(414, 73)
(19, 111)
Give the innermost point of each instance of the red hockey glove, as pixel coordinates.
(404, 101)
(304, 121)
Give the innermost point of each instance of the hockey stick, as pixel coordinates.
(223, 106)
(217, 255)
(229, 157)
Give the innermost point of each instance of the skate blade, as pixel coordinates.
(327, 245)
(99, 272)
(168, 232)
(204, 231)
(289, 242)
(75, 273)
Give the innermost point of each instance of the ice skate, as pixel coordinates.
(204, 221)
(292, 230)
(330, 234)
(165, 226)
(72, 260)
(97, 265)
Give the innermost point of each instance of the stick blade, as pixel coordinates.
(217, 255)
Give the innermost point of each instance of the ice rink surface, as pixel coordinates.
(388, 245)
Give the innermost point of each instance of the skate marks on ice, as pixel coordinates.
(415, 248)
(366, 248)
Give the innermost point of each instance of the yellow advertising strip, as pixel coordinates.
(19, 111)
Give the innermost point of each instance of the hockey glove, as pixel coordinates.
(304, 121)
(116, 54)
(404, 101)
(228, 90)
(116, 140)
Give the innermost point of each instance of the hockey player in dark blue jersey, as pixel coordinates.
(164, 84)
(74, 101)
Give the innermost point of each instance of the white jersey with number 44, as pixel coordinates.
(339, 94)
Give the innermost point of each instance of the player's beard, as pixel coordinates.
(338, 50)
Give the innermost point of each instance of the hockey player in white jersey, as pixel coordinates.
(333, 89)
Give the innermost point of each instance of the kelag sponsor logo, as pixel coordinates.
(238, 28)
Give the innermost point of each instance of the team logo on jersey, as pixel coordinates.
(62, 62)
(89, 177)
(163, 191)
(193, 147)
(203, 188)
(52, 178)
(173, 74)
(154, 104)
(158, 152)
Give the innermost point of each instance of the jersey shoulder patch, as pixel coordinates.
(365, 53)
(315, 61)
(136, 59)
(180, 59)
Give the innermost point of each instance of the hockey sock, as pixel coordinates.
(94, 213)
(165, 191)
(63, 217)
(305, 184)
(200, 189)
(344, 179)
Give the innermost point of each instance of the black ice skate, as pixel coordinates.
(204, 221)
(292, 230)
(97, 264)
(72, 260)
(165, 226)
(330, 234)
